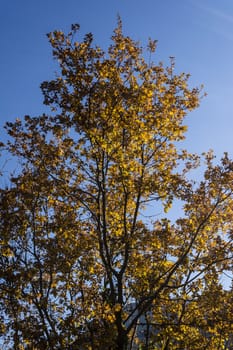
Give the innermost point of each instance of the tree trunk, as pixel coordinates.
(122, 340)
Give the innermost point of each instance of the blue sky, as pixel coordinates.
(199, 33)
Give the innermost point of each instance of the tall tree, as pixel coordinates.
(81, 266)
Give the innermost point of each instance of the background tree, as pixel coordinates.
(80, 266)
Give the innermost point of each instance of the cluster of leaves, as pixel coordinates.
(80, 268)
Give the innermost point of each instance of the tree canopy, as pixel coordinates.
(81, 265)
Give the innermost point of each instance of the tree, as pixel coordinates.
(81, 266)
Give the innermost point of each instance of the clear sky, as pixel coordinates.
(199, 33)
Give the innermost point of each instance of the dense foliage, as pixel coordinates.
(82, 267)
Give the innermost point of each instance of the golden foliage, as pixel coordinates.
(80, 266)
